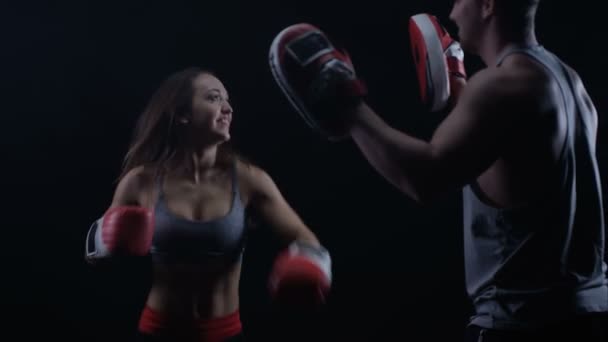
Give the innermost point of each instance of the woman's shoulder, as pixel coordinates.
(139, 175)
(253, 180)
(136, 186)
(249, 172)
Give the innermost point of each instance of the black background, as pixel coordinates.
(75, 76)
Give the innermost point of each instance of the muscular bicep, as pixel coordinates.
(473, 135)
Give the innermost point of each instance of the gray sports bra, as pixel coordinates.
(179, 239)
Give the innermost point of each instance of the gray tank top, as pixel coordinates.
(532, 264)
(183, 240)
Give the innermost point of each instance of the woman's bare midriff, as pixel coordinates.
(193, 291)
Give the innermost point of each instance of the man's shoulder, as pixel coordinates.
(511, 85)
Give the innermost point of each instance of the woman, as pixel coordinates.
(182, 199)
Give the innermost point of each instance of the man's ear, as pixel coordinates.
(488, 8)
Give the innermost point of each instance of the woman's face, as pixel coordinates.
(211, 112)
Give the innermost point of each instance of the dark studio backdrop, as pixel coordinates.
(75, 76)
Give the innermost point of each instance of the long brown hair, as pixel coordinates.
(155, 140)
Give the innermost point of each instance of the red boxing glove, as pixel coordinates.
(126, 230)
(301, 275)
(317, 77)
(438, 58)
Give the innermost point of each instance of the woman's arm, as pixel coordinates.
(301, 274)
(127, 226)
(270, 205)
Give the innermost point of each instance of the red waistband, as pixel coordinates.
(209, 330)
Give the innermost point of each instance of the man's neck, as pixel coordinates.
(498, 43)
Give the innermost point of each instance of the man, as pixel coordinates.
(519, 141)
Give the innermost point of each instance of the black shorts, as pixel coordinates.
(583, 328)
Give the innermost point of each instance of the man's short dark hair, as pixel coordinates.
(517, 12)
